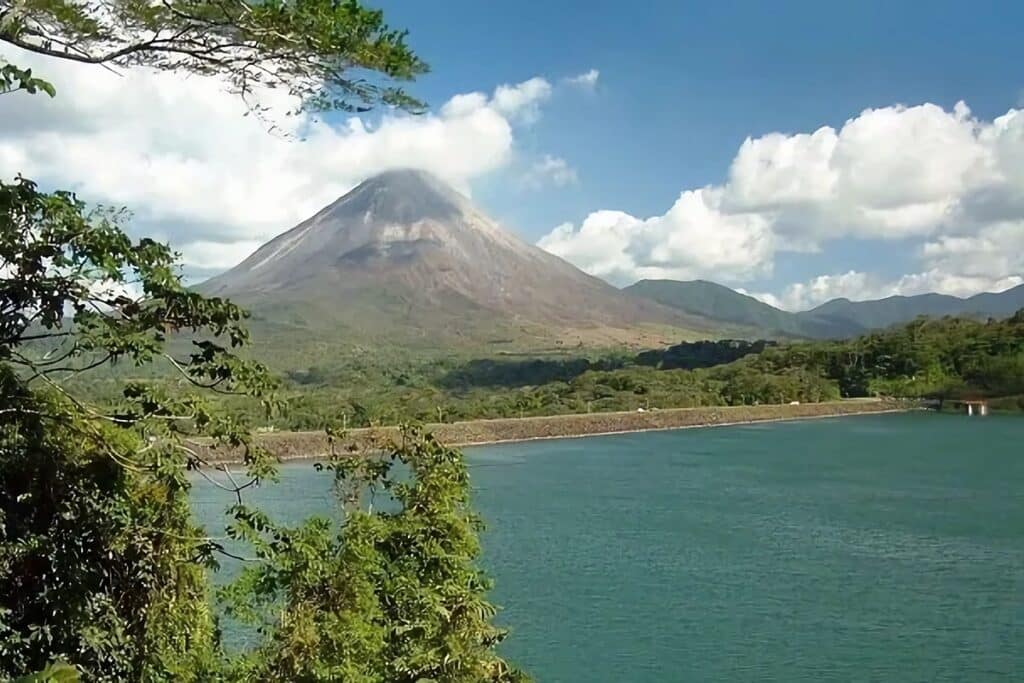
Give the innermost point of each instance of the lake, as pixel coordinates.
(874, 548)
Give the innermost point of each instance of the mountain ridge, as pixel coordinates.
(405, 258)
(892, 310)
(836, 318)
(710, 299)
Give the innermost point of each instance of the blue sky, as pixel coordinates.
(683, 84)
(795, 150)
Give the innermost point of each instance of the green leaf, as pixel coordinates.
(58, 672)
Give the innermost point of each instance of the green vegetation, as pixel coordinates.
(395, 597)
(701, 354)
(945, 358)
(103, 573)
(938, 359)
(384, 388)
(102, 567)
(317, 50)
(100, 564)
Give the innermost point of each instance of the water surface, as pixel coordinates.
(876, 548)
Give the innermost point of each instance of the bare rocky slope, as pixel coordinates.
(406, 259)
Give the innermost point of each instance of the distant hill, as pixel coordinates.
(718, 302)
(405, 260)
(890, 311)
(838, 318)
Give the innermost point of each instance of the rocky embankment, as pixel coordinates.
(295, 445)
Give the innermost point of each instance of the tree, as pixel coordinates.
(393, 594)
(321, 51)
(101, 565)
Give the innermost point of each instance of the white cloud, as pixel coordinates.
(891, 172)
(521, 102)
(586, 80)
(210, 255)
(779, 170)
(994, 251)
(803, 295)
(860, 286)
(549, 171)
(692, 239)
(948, 184)
(183, 155)
(108, 290)
(956, 285)
(990, 260)
(601, 242)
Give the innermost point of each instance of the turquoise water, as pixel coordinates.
(879, 548)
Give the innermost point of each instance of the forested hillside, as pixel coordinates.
(946, 358)
(943, 358)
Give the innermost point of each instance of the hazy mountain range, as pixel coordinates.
(405, 260)
(832, 319)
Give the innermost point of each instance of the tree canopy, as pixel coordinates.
(103, 572)
(330, 54)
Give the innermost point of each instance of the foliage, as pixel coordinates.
(320, 51)
(701, 354)
(489, 372)
(58, 672)
(391, 595)
(928, 358)
(102, 570)
(13, 79)
(387, 389)
(99, 562)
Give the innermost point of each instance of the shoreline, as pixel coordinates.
(288, 446)
(710, 425)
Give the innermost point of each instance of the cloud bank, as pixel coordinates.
(950, 184)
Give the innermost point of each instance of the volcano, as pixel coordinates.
(405, 258)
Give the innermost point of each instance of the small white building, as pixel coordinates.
(976, 408)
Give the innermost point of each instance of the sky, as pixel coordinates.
(797, 151)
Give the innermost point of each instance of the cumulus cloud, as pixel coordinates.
(991, 260)
(586, 80)
(183, 155)
(861, 286)
(801, 296)
(549, 171)
(688, 240)
(944, 181)
(888, 173)
(521, 102)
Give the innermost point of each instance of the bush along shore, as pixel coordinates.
(303, 445)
